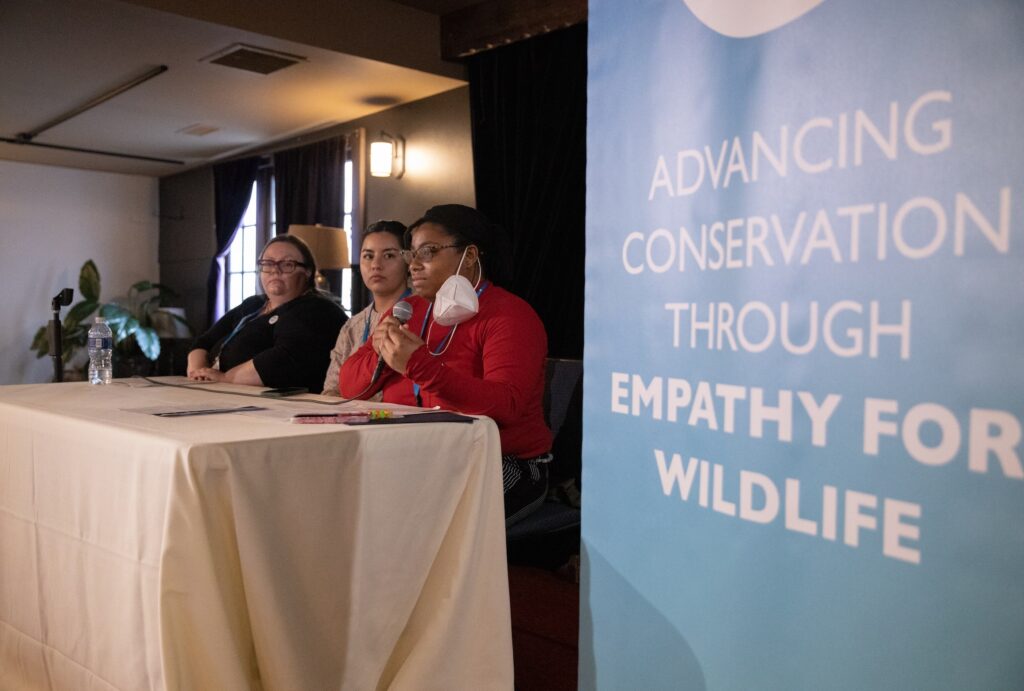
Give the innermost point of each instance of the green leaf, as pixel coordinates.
(146, 308)
(120, 321)
(114, 310)
(148, 342)
(67, 352)
(80, 312)
(89, 281)
(180, 319)
(41, 343)
(131, 327)
(165, 291)
(142, 286)
(124, 326)
(74, 338)
(114, 313)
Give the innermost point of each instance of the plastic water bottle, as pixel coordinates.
(101, 344)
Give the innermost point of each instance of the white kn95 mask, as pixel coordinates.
(456, 300)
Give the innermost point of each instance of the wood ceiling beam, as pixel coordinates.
(497, 23)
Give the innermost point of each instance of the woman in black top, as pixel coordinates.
(281, 338)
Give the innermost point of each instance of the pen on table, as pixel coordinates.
(209, 411)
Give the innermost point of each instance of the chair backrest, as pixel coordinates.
(561, 380)
(531, 539)
(563, 409)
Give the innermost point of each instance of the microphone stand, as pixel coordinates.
(56, 334)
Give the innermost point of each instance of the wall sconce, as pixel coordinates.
(329, 246)
(387, 156)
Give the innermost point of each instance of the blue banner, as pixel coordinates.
(804, 390)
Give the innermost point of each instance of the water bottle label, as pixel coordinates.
(100, 343)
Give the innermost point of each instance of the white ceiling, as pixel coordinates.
(56, 55)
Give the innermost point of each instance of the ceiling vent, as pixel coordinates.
(253, 59)
(198, 130)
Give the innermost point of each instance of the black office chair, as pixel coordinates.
(550, 536)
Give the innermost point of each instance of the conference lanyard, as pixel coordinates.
(366, 329)
(234, 332)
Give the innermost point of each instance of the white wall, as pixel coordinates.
(51, 220)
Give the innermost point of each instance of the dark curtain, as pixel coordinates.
(232, 189)
(361, 295)
(308, 182)
(528, 106)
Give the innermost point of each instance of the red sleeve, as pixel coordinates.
(355, 373)
(513, 346)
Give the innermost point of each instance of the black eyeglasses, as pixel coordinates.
(285, 266)
(426, 253)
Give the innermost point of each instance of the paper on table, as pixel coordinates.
(187, 411)
(138, 382)
(286, 409)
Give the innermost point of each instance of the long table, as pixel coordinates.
(241, 551)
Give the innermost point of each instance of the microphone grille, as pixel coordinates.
(402, 311)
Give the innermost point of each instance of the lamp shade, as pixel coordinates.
(381, 155)
(329, 245)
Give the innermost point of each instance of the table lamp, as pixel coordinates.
(329, 246)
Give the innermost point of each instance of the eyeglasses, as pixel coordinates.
(425, 254)
(285, 266)
(385, 256)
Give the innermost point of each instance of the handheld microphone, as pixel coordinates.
(402, 311)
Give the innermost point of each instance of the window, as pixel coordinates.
(259, 225)
(348, 213)
(241, 279)
(241, 258)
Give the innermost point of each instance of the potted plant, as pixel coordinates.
(132, 321)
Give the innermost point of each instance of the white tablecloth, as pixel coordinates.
(244, 552)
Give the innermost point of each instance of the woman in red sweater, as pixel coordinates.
(470, 346)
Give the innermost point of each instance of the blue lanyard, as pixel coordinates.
(366, 329)
(441, 345)
(238, 327)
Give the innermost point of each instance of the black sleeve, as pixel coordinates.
(304, 334)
